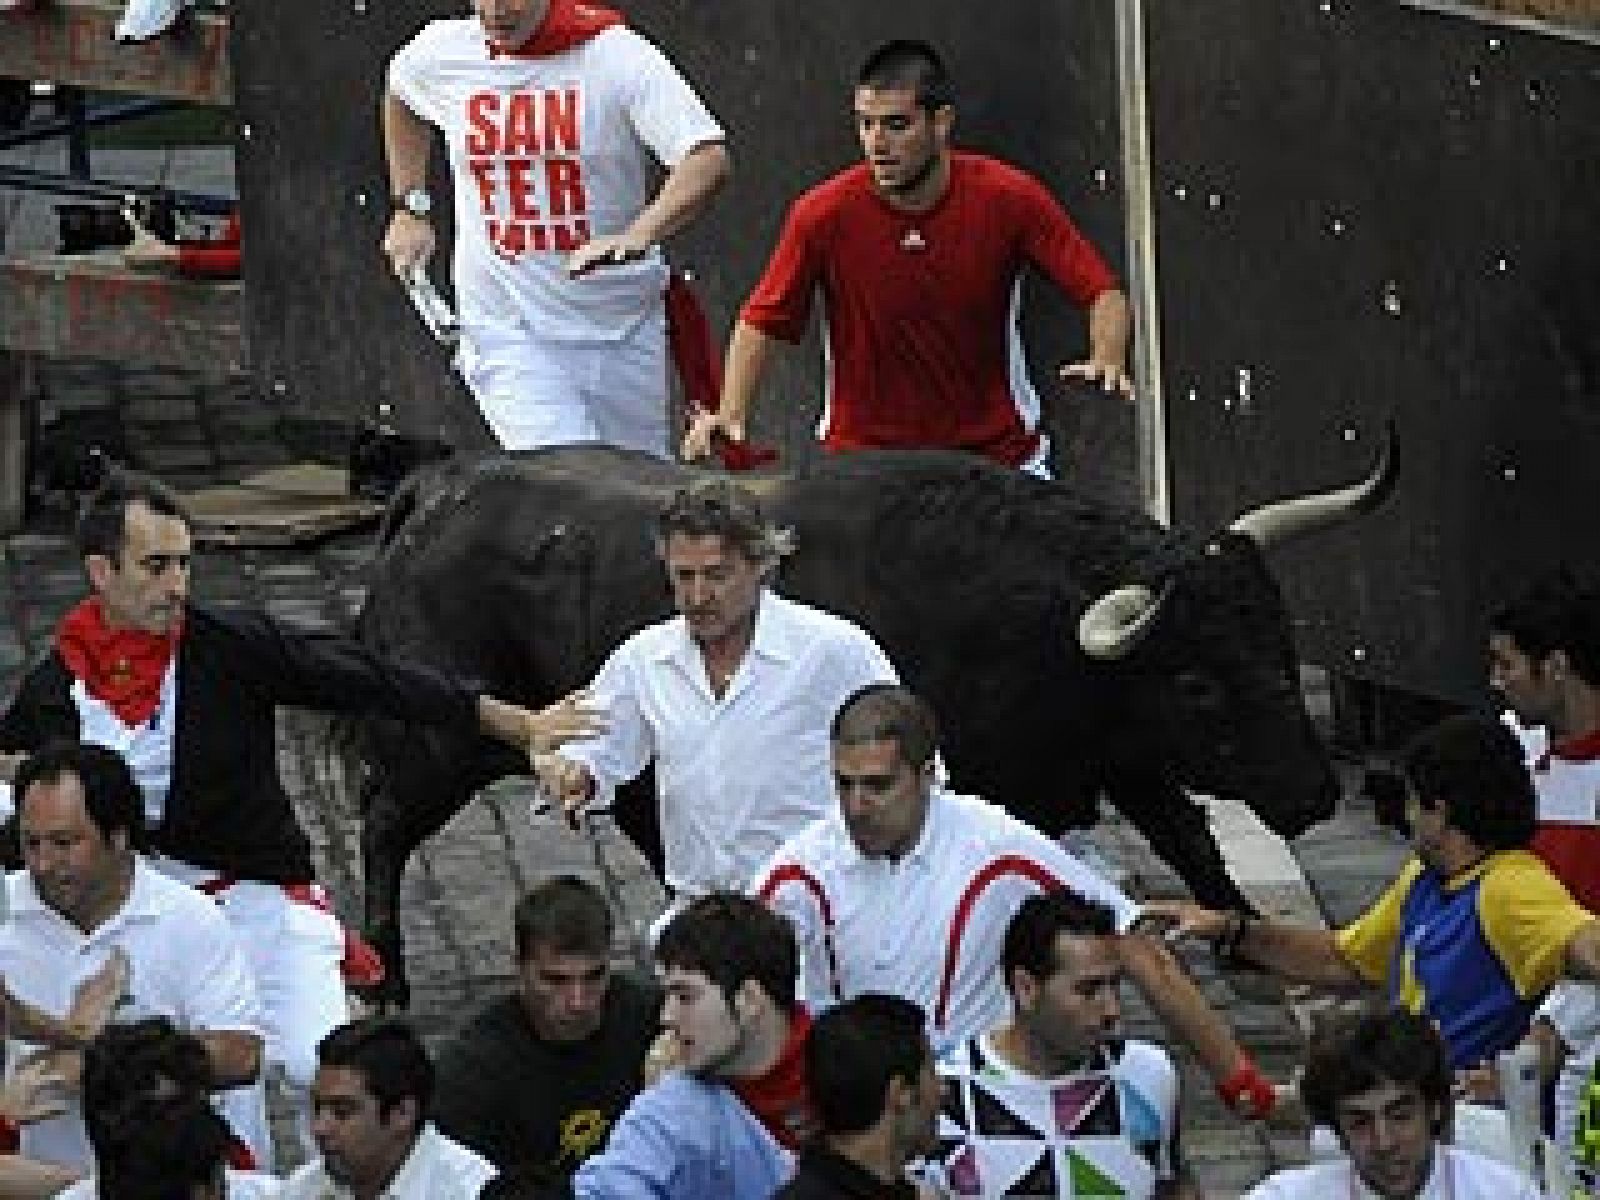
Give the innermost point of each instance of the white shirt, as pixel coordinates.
(1457, 1175)
(184, 963)
(242, 1185)
(1572, 1009)
(436, 1169)
(739, 774)
(929, 927)
(146, 748)
(548, 152)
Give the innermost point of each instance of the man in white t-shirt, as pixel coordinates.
(907, 888)
(1382, 1083)
(86, 894)
(1054, 1101)
(555, 117)
(370, 1102)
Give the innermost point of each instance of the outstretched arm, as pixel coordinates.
(1301, 955)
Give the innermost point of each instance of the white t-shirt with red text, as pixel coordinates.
(548, 152)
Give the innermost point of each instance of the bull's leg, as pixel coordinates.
(384, 850)
(1176, 827)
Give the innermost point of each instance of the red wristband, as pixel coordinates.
(1248, 1092)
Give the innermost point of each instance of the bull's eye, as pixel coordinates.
(1197, 692)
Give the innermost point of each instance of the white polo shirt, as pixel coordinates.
(1457, 1175)
(739, 774)
(184, 963)
(436, 1169)
(930, 926)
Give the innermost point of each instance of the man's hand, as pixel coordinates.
(568, 783)
(664, 1056)
(1182, 920)
(146, 252)
(609, 250)
(567, 720)
(96, 998)
(408, 244)
(1110, 376)
(699, 439)
(41, 1086)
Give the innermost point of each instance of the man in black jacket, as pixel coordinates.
(870, 1070)
(188, 695)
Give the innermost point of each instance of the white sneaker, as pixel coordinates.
(146, 19)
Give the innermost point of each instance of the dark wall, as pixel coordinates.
(1366, 210)
(330, 331)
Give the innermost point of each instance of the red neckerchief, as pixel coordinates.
(780, 1099)
(1585, 747)
(567, 23)
(122, 668)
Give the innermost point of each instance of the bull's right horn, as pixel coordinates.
(1272, 524)
(1117, 622)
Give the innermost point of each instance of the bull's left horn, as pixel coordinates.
(1117, 622)
(1278, 522)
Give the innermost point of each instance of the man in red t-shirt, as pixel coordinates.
(918, 253)
(1544, 651)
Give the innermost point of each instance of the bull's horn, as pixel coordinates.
(1278, 522)
(1117, 622)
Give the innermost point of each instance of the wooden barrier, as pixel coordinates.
(69, 42)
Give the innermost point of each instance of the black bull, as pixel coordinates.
(525, 573)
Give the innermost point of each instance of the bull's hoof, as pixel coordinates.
(385, 998)
(391, 992)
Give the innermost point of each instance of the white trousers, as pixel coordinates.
(541, 392)
(294, 951)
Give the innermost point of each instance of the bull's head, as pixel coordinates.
(1209, 648)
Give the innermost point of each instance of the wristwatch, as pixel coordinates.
(417, 201)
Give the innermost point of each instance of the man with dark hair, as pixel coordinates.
(715, 1126)
(908, 888)
(154, 1133)
(730, 699)
(188, 696)
(370, 1104)
(1382, 1083)
(87, 894)
(1544, 659)
(1473, 931)
(1096, 1107)
(918, 254)
(870, 1070)
(574, 1025)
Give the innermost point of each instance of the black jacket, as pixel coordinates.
(227, 809)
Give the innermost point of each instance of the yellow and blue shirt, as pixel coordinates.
(1474, 951)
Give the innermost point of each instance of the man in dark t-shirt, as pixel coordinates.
(537, 1077)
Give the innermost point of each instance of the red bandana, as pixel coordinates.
(1585, 747)
(122, 668)
(566, 24)
(779, 1099)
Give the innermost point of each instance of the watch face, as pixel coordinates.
(418, 202)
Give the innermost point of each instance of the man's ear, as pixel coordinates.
(748, 1000)
(1556, 664)
(944, 120)
(99, 568)
(406, 1110)
(1024, 988)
